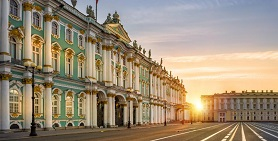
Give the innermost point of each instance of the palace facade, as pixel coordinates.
(92, 75)
(244, 106)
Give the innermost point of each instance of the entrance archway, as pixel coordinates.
(100, 109)
(119, 111)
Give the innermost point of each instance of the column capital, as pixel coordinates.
(87, 92)
(27, 80)
(5, 76)
(27, 6)
(48, 84)
(130, 59)
(95, 92)
(111, 95)
(48, 17)
(104, 102)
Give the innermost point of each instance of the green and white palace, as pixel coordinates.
(92, 74)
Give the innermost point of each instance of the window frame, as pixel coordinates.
(18, 16)
(37, 23)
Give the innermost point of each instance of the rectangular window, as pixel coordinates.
(55, 61)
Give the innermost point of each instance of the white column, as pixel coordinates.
(47, 36)
(109, 69)
(131, 112)
(93, 61)
(158, 87)
(152, 113)
(94, 108)
(121, 73)
(258, 103)
(251, 103)
(27, 7)
(244, 104)
(105, 114)
(48, 104)
(88, 109)
(129, 67)
(140, 113)
(238, 103)
(225, 103)
(104, 60)
(271, 103)
(27, 94)
(4, 36)
(113, 110)
(232, 103)
(215, 104)
(5, 108)
(89, 56)
(109, 117)
(151, 84)
(137, 77)
(125, 114)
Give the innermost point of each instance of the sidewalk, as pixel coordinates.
(25, 134)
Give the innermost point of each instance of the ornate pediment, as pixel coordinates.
(115, 27)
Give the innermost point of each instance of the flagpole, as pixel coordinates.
(96, 9)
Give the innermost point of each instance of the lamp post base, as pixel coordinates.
(128, 124)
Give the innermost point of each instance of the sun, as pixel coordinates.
(199, 105)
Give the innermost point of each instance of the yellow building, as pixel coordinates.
(243, 106)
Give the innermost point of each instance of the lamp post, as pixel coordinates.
(165, 122)
(32, 68)
(128, 124)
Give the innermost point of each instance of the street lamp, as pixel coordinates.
(165, 122)
(128, 124)
(32, 68)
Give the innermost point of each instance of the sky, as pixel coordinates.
(213, 45)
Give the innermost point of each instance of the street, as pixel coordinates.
(237, 131)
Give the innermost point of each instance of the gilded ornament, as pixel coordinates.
(56, 115)
(14, 115)
(27, 6)
(56, 91)
(130, 59)
(14, 17)
(55, 17)
(95, 92)
(81, 31)
(16, 32)
(48, 84)
(70, 94)
(87, 91)
(37, 89)
(5, 53)
(37, 8)
(104, 47)
(69, 42)
(48, 18)
(69, 26)
(27, 81)
(69, 115)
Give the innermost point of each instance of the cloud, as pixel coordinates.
(268, 55)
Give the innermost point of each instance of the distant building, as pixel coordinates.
(244, 106)
(92, 75)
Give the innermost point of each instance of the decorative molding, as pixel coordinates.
(27, 6)
(48, 84)
(5, 76)
(27, 81)
(47, 18)
(37, 8)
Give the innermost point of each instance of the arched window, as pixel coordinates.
(13, 51)
(14, 8)
(80, 42)
(81, 65)
(37, 103)
(55, 105)
(69, 35)
(69, 55)
(14, 101)
(55, 28)
(81, 106)
(69, 105)
(36, 55)
(36, 19)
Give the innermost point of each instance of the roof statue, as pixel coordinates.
(116, 17)
(140, 48)
(150, 53)
(135, 44)
(161, 61)
(73, 2)
(108, 19)
(90, 12)
(144, 51)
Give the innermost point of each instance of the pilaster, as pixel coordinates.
(47, 35)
